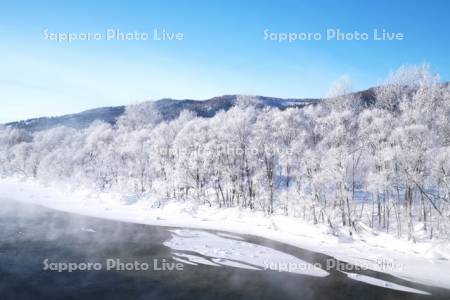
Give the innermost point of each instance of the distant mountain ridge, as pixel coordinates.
(169, 109)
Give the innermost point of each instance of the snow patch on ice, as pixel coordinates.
(234, 264)
(384, 283)
(227, 235)
(184, 261)
(197, 259)
(239, 253)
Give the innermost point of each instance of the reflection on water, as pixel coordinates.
(30, 234)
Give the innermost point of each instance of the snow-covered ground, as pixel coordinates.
(425, 262)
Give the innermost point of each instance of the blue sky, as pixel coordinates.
(223, 50)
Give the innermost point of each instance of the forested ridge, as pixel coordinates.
(344, 162)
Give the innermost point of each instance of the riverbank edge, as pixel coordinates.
(424, 263)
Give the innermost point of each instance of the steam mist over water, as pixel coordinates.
(30, 234)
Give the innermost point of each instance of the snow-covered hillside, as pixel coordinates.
(169, 109)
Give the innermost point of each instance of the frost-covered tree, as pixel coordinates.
(346, 162)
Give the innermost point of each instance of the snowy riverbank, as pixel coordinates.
(426, 262)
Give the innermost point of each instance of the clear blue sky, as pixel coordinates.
(223, 51)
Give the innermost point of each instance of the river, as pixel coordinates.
(31, 235)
